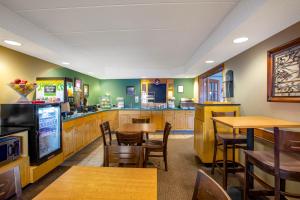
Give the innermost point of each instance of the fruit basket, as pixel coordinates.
(23, 88)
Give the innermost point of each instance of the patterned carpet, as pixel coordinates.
(176, 184)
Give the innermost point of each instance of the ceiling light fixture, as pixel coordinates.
(209, 61)
(65, 63)
(240, 40)
(11, 42)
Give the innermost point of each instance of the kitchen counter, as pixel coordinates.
(79, 115)
(5, 131)
(218, 104)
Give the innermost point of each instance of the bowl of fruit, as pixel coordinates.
(23, 88)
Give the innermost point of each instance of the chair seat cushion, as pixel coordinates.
(289, 163)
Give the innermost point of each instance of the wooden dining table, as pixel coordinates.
(109, 183)
(252, 122)
(136, 128)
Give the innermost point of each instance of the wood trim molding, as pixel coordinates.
(212, 71)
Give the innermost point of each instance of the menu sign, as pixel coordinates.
(50, 90)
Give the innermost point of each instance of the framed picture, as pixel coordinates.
(86, 90)
(130, 90)
(284, 73)
(180, 89)
(77, 84)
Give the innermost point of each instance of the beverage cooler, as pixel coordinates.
(44, 124)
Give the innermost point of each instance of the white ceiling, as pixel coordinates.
(141, 38)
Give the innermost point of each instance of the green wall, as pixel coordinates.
(94, 83)
(188, 89)
(117, 88)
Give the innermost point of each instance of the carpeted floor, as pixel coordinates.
(176, 184)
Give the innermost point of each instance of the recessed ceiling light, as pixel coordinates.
(209, 61)
(240, 40)
(65, 63)
(11, 42)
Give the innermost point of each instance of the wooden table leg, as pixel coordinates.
(277, 163)
(250, 146)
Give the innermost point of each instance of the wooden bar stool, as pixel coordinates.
(207, 188)
(283, 164)
(223, 142)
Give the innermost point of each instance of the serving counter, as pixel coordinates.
(204, 133)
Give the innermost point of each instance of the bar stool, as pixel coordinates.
(283, 163)
(223, 142)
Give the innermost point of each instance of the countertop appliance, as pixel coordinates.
(120, 102)
(10, 148)
(187, 103)
(171, 102)
(44, 127)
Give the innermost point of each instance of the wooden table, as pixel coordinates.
(107, 183)
(136, 128)
(251, 122)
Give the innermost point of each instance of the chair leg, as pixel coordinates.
(214, 158)
(166, 160)
(246, 179)
(282, 188)
(233, 158)
(225, 166)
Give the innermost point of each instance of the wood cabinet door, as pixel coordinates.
(79, 132)
(169, 117)
(157, 118)
(190, 122)
(180, 120)
(68, 141)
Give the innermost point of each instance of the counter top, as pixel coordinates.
(4, 131)
(79, 115)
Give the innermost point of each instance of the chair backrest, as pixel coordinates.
(10, 184)
(123, 156)
(105, 129)
(140, 120)
(208, 189)
(220, 114)
(289, 141)
(167, 131)
(130, 138)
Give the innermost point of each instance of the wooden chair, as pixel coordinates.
(283, 163)
(105, 129)
(158, 146)
(142, 121)
(10, 184)
(123, 156)
(130, 138)
(224, 142)
(207, 188)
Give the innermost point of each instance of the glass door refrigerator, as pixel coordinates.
(44, 127)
